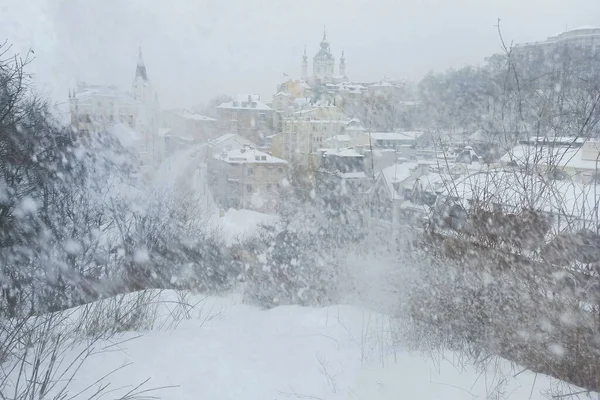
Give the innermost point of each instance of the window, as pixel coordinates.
(249, 188)
(250, 171)
(280, 170)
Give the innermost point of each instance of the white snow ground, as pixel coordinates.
(237, 225)
(227, 350)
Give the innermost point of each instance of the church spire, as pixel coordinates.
(343, 64)
(140, 71)
(324, 33)
(304, 64)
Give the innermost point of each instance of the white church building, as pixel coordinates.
(323, 65)
(95, 109)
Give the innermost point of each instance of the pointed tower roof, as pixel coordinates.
(324, 52)
(140, 71)
(324, 33)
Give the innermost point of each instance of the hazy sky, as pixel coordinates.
(195, 49)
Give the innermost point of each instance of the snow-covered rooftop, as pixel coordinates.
(414, 135)
(248, 156)
(556, 140)
(516, 189)
(578, 30)
(382, 84)
(356, 128)
(223, 138)
(326, 121)
(353, 175)
(398, 136)
(343, 152)
(576, 33)
(229, 136)
(282, 93)
(397, 174)
(434, 182)
(246, 102)
(194, 116)
(85, 91)
(559, 156)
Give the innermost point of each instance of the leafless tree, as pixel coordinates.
(513, 267)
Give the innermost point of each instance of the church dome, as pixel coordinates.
(324, 53)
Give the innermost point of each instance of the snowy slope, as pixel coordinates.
(237, 225)
(227, 350)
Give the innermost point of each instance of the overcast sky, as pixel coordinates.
(195, 49)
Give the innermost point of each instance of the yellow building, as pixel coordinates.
(297, 88)
(308, 130)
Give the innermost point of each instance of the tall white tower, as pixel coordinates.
(142, 89)
(343, 64)
(148, 114)
(304, 65)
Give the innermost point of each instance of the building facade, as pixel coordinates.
(196, 127)
(96, 108)
(246, 178)
(586, 39)
(308, 130)
(246, 115)
(570, 59)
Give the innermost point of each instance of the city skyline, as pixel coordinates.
(194, 52)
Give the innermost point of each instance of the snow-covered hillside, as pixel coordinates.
(228, 350)
(238, 225)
